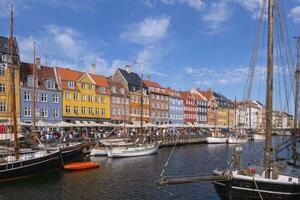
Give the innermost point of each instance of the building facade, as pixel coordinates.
(139, 106)
(6, 80)
(202, 104)
(190, 107)
(159, 103)
(85, 96)
(119, 103)
(176, 107)
(48, 98)
(212, 107)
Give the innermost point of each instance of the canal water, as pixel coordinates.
(134, 178)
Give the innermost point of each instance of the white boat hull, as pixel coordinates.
(258, 137)
(132, 151)
(236, 140)
(98, 152)
(216, 140)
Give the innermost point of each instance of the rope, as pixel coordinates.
(166, 164)
(257, 189)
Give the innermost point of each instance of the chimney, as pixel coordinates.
(93, 69)
(127, 68)
(38, 63)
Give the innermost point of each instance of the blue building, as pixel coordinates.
(48, 106)
(176, 107)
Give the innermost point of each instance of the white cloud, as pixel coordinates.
(253, 6)
(150, 30)
(216, 15)
(295, 13)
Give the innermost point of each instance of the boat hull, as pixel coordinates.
(216, 140)
(132, 152)
(30, 167)
(248, 189)
(98, 152)
(235, 140)
(258, 137)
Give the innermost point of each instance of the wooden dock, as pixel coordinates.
(179, 140)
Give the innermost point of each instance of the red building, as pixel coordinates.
(190, 107)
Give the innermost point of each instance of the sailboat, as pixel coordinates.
(237, 183)
(138, 149)
(270, 184)
(18, 166)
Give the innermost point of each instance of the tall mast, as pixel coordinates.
(234, 113)
(33, 95)
(228, 115)
(269, 93)
(142, 131)
(296, 124)
(13, 89)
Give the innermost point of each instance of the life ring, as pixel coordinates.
(252, 170)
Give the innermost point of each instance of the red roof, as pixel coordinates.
(152, 84)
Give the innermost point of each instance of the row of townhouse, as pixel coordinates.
(71, 95)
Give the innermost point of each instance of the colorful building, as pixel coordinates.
(6, 80)
(86, 97)
(212, 107)
(132, 83)
(225, 113)
(190, 107)
(201, 103)
(48, 100)
(176, 107)
(159, 103)
(119, 104)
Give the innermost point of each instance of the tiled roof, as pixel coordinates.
(132, 78)
(198, 96)
(66, 74)
(43, 73)
(100, 80)
(186, 94)
(207, 94)
(152, 84)
(4, 45)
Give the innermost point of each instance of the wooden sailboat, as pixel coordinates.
(19, 166)
(249, 183)
(139, 149)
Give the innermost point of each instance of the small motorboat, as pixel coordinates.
(81, 165)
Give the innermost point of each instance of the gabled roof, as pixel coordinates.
(4, 43)
(66, 74)
(207, 94)
(44, 73)
(100, 80)
(132, 78)
(152, 84)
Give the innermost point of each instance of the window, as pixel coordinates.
(83, 110)
(55, 113)
(117, 100)
(30, 81)
(103, 111)
(113, 89)
(83, 97)
(68, 96)
(2, 87)
(97, 111)
(82, 85)
(97, 99)
(113, 111)
(44, 112)
(102, 99)
(122, 91)
(113, 99)
(102, 89)
(43, 97)
(90, 98)
(76, 109)
(71, 84)
(2, 70)
(90, 86)
(27, 112)
(68, 109)
(55, 98)
(50, 84)
(27, 96)
(75, 96)
(37, 97)
(117, 111)
(90, 110)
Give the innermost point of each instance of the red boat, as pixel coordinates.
(81, 165)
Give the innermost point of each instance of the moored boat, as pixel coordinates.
(236, 140)
(216, 140)
(258, 137)
(81, 165)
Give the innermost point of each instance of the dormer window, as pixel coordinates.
(50, 84)
(113, 89)
(30, 81)
(102, 89)
(71, 84)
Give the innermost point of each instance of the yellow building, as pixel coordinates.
(6, 81)
(86, 97)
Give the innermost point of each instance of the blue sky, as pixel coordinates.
(183, 44)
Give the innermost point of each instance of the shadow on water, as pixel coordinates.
(134, 178)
